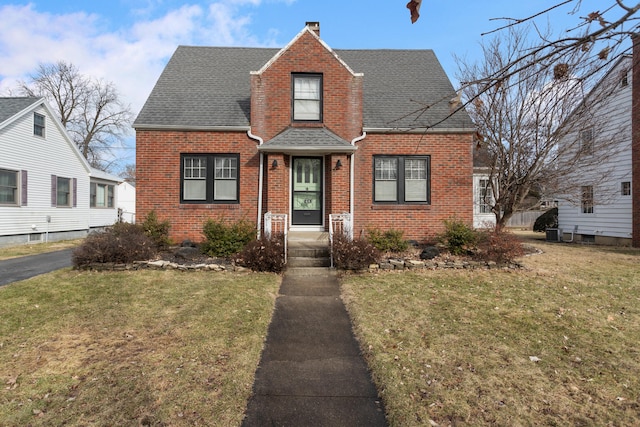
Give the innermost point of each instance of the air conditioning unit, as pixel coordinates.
(554, 234)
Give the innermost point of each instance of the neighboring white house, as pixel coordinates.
(483, 217)
(601, 211)
(44, 179)
(48, 191)
(127, 202)
(103, 199)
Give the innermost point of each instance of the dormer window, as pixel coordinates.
(307, 97)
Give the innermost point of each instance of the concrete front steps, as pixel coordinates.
(308, 249)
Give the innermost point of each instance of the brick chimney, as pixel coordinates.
(314, 26)
(635, 140)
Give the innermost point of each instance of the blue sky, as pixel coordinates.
(129, 41)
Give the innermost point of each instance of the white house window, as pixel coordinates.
(307, 97)
(8, 187)
(624, 78)
(586, 141)
(625, 188)
(63, 194)
(210, 178)
(484, 196)
(587, 199)
(101, 195)
(38, 124)
(401, 179)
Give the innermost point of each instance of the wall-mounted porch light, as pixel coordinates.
(274, 164)
(338, 164)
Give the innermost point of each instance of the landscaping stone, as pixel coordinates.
(430, 252)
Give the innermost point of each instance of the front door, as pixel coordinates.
(306, 191)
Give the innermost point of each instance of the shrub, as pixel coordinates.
(122, 243)
(389, 241)
(499, 246)
(224, 240)
(355, 254)
(458, 237)
(549, 219)
(158, 231)
(265, 254)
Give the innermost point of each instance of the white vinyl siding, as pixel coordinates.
(36, 160)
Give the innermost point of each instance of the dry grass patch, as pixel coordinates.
(150, 348)
(553, 344)
(37, 248)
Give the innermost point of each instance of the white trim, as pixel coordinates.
(419, 130)
(281, 52)
(194, 128)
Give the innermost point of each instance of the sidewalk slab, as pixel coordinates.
(312, 372)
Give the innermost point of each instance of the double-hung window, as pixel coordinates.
(64, 192)
(8, 187)
(484, 196)
(587, 199)
(101, 195)
(587, 139)
(401, 179)
(210, 178)
(38, 124)
(307, 97)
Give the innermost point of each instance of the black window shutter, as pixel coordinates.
(54, 191)
(23, 188)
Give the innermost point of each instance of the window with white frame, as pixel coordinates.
(484, 196)
(307, 97)
(210, 178)
(587, 199)
(8, 187)
(587, 138)
(38, 124)
(101, 195)
(63, 192)
(401, 179)
(625, 188)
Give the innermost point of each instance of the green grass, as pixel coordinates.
(131, 348)
(455, 347)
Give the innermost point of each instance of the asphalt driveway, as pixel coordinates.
(16, 269)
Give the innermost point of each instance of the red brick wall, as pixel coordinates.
(158, 179)
(271, 92)
(635, 144)
(451, 184)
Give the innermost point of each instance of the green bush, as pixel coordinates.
(122, 243)
(499, 246)
(265, 254)
(355, 254)
(158, 231)
(389, 241)
(549, 219)
(458, 237)
(224, 240)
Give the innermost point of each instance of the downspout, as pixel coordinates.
(260, 179)
(352, 168)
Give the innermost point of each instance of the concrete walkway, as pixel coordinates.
(311, 372)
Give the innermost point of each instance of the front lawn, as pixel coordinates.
(149, 348)
(556, 343)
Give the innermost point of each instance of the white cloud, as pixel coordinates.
(132, 57)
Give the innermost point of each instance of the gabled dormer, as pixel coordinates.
(306, 84)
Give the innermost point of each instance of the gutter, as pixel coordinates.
(352, 168)
(260, 179)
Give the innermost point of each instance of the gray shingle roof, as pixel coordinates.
(9, 107)
(318, 139)
(210, 86)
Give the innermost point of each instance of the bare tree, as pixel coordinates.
(529, 118)
(90, 109)
(129, 174)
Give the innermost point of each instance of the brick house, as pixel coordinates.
(306, 131)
